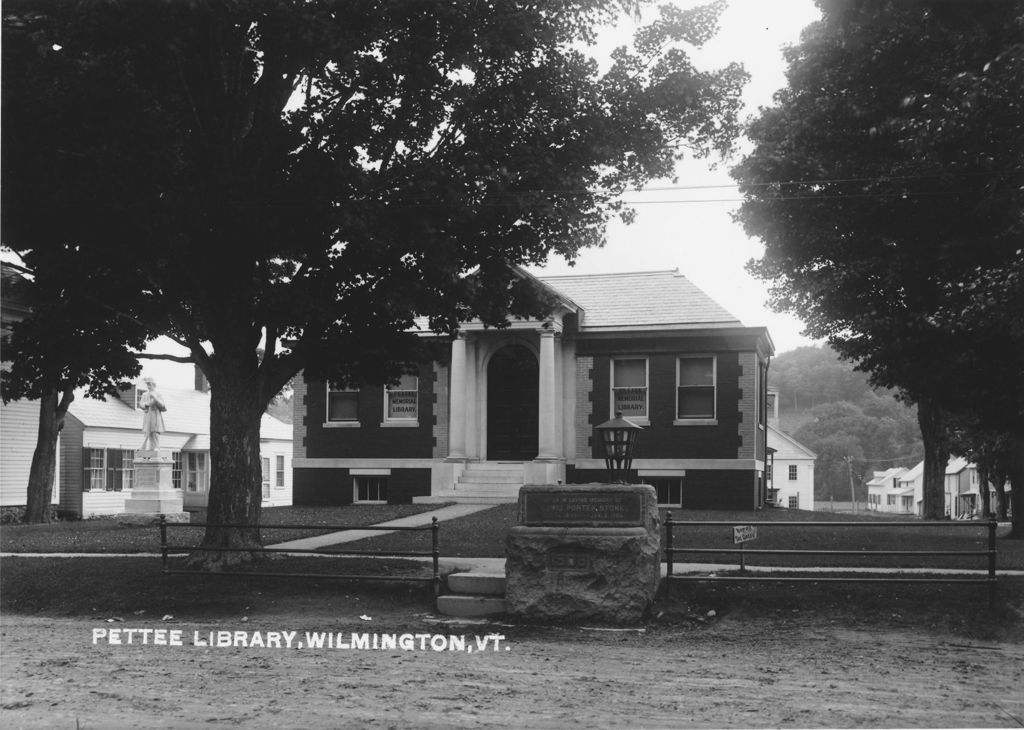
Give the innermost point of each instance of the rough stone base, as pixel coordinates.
(612, 574)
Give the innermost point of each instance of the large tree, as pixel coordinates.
(318, 173)
(885, 183)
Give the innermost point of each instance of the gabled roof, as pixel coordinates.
(884, 478)
(641, 300)
(787, 447)
(913, 473)
(956, 465)
(188, 411)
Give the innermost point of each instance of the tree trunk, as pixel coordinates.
(39, 492)
(1015, 472)
(932, 420)
(999, 508)
(235, 474)
(983, 494)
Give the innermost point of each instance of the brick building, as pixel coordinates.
(519, 405)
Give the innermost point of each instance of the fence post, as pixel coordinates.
(992, 525)
(743, 567)
(163, 541)
(434, 527)
(668, 552)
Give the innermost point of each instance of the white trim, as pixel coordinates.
(695, 421)
(661, 472)
(370, 472)
(342, 424)
(399, 424)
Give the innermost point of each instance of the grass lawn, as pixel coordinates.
(482, 534)
(107, 535)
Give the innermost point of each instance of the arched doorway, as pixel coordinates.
(512, 393)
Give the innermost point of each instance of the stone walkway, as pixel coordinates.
(417, 520)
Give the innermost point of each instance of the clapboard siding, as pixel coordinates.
(21, 426)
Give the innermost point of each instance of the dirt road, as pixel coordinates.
(728, 672)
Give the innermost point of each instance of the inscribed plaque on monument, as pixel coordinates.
(612, 507)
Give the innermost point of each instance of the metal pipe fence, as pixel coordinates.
(990, 554)
(434, 553)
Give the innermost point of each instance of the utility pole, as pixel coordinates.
(849, 471)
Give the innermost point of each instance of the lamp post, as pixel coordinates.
(618, 436)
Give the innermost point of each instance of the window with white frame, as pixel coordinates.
(279, 471)
(342, 406)
(696, 385)
(669, 490)
(265, 470)
(629, 387)
(95, 470)
(794, 501)
(768, 471)
(127, 468)
(792, 472)
(401, 401)
(196, 474)
(176, 469)
(370, 489)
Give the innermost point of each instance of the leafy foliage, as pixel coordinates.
(886, 184)
(317, 175)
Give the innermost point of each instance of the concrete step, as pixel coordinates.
(490, 477)
(467, 498)
(462, 606)
(515, 468)
(478, 583)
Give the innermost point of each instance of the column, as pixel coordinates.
(457, 393)
(548, 411)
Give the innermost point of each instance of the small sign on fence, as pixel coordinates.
(743, 533)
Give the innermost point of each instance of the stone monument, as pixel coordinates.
(584, 552)
(153, 491)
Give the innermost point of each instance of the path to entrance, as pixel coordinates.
(418, 520)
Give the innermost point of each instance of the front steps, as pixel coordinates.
(474, 595)
(486, 482)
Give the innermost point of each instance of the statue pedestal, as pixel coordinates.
(587, 552)
(153, 491)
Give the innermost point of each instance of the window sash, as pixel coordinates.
(792, 473)
(371, 489)
(401, 402)
(279, 472)
(629, 387)
(696, 387)
(342, 405)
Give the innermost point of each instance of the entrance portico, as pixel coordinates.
(507, 403)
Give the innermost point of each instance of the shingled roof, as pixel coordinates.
(642, 300)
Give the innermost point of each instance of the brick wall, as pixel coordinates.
(747, 426)
(584, 405)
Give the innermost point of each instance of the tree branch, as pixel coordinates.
(163, 356)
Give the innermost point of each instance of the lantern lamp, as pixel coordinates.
(618, 436)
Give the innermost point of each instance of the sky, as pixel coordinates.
(696, 237)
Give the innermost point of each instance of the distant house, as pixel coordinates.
(790, 471)
(883, 490)
(100, 439)
(519, 405)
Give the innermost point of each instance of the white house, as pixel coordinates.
(790, 471)
(883, 490)
(100, 439)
